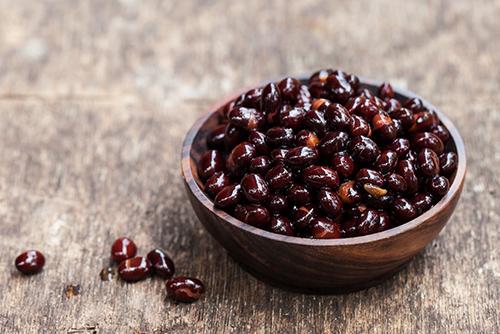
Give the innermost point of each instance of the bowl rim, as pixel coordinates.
(201, 197)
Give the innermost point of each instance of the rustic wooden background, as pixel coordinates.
(95, 97)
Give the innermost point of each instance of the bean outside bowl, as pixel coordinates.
(319, 265)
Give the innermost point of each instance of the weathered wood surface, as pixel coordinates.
(95, 97)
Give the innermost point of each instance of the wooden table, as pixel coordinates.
(95, 97)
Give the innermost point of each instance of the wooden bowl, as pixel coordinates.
(312, 265)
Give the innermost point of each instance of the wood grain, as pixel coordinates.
(96, 96)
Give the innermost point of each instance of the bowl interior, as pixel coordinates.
(195, 145)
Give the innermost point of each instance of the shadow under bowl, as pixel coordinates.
(319, 265)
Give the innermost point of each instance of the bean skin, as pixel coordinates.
(255, 188)
(247, 118)
(403, 209)
(240, 157)
(302, 155)
(401, 146)
(307, 138)
(428, 140)
(333, 142)
(385, 91)
(330, 202)
(364, 149)
(395, 183)
(405, 116)
(448, 162)
(324, 228)
(161, 264)
(211, 162)
(441, 132)
(277, 203)
(289, 88)
(315, 121)
(278, 177)
(407, 171)
(386, 161)
(185, 289)
(371, 176)
(259, 165)
(359, 127)
(259, 141)
(228, 197)
(292, 117)
(422, 202)
(298, 195)
(257, 215)
(280, 137)
(348, 193)
(338, 117)
(134, 269)
(215, 140)
(320, 176)
(439, 186)
(303, 216)
(428, 162)
(271, 98)
(281, 225)
(383, 126)
(123, 248)
(30, 262)
(343, 164)
(216, 183)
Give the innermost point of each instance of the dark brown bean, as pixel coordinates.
(320, 176)
(364, 149)
(315, 121)
(404, 115)
(161, 264)
(298, 195)
(307, 138)
(281, 225)
(210, 162)
(233, 136)
(415, 105)
(337, 117)
(330, 202)
(383, 126)
(247, 118)
(439, 186)
(292, 117)
(228, 197)
(250, 99)
(401, 146)
(324, 228)
(215, 140)
(359, 127)
(303, 215)
(343, 164)
(422, 202)
(257, 215)
(403, 209)
(385, 91)
(441, 132)
(278, 177)
(280, 137)
(422, 121)
(448, 162)
(301, 155)
(277, 203)
(395, 183)
(362, 107)
(240, 157)
(427, 140)
(278, 155)
(333, 142)
(134, 269)
(259, 141)
(30, 262)
(255, 188)
(271, 98)
(392, 105)
(371, 176)
(428, 162)
(339, 88)
(185, 289)
(406, 169)
(289, 88)
(123, 248)
(386, 161)
(259, 165)
(369, 222)
(349, 193)
(216, 183)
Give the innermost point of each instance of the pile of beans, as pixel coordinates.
(134, 268)
(326, 159)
